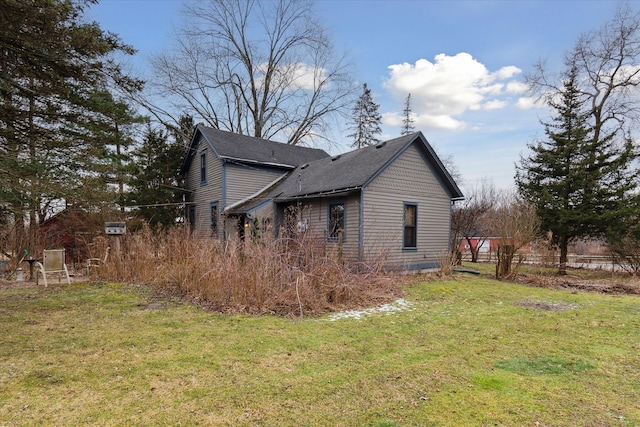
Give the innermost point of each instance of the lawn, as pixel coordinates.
(469, 351)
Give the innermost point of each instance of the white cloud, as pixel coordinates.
(441, 91)
(516, 87)
(495, 104)
(527, 103)
(297, 76)
(424, 121)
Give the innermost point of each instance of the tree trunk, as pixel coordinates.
(474, 250)
(505, 257)
(564, 249)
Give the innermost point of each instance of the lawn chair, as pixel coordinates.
(97, 262)
(52, 262)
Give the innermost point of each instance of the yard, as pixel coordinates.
(453, 352)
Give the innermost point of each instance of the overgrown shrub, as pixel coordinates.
(293, 276)
(625, 250)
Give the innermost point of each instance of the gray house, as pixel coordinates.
(393, 198)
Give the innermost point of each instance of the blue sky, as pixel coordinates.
(462, 61)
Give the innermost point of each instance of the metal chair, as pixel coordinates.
(52, 262)
(97, 262)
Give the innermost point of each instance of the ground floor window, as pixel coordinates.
(336, 221)
(410, 235)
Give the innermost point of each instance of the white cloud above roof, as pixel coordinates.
(442, 90)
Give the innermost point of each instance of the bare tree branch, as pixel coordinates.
(266, 69)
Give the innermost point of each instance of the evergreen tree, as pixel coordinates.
(53, 67)
(156, 183)
(366, 120)
(579, 185)
(113, 126)
(407, 119)
(183, 131)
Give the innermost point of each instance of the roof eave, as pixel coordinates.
(256, 162)
(319, 194)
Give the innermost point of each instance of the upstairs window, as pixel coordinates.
(203, 167)
(336, 221)
(410, 234)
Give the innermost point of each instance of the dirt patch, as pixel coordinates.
(8, 284)
(615, 285)
(26, 284)
(548, 306)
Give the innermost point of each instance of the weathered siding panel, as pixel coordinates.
(243, 181)
(408, 179)
(315, 213)
(204, 195)
(263, 215)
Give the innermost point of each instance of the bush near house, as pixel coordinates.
(288, 276)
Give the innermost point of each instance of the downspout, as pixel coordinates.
(361, 227)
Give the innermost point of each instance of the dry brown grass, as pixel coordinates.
(291, 277)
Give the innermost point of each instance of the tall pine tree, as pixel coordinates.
(579, 185)
(155, 187)
(366, 120)
(407, 117)
(53, 66)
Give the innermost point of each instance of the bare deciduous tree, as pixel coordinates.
(607, 61)
(265, 69)
(514, 222)
(625, 250)
(468, 219)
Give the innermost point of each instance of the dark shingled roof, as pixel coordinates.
(244, 148)
(345, 171)
(350, 171)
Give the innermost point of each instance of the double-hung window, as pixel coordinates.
(410, 229)
(336, 221)
(203, 167)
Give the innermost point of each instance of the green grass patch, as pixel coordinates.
(469, 351)
(543, 366)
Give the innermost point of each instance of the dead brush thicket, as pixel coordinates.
(290, 277)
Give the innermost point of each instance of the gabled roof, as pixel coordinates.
(357, 168)
(352, 171)
(248, 149)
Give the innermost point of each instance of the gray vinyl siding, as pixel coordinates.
(204, 195)
(316, 212)
(408, 179)
(243, 181)
(265, 217)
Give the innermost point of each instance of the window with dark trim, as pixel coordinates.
(410, 232)
(336, 221)
(203, 167)
(214, 219)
